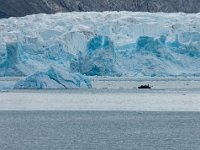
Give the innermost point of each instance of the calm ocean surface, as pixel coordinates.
(99, 130)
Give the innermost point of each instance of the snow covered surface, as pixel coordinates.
(108, 43)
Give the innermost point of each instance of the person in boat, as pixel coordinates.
(144, 87)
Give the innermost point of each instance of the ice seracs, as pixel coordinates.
(10, 65)
(99, 58)
(102, 44)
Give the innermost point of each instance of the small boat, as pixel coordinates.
(144, 87)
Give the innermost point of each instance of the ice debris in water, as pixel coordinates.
(54, 79)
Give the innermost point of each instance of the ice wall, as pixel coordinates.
(104, 44)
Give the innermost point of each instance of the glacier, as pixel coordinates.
(101, 44)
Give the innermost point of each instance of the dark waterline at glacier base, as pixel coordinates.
(95, 130)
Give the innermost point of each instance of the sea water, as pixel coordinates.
(99, 130)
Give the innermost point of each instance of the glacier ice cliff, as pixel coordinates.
(53, 78)
(102, 44)
(99, 58)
